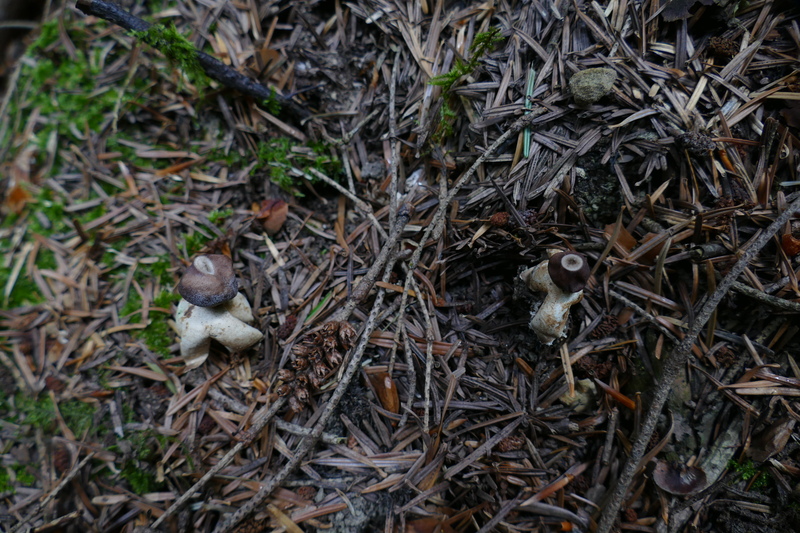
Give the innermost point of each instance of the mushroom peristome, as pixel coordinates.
(212, 308)
(563, 278)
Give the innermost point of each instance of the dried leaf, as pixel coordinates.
(427, 525)
(387, 391)
(17, 198)
(272, 215)
(790, 245)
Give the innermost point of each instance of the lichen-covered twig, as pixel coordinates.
(674, 362)
(363, 287)
(214, 68)
(768, 299)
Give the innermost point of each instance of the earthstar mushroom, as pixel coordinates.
(563, 278)
(212, 308)
(679, 479)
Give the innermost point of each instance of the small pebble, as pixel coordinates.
(590, 85)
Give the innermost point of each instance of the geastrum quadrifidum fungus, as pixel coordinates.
(212, 308)
(562, 278)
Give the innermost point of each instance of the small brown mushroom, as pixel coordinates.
(679, 479)
(209, 281)
(212, 308)
(569, 271)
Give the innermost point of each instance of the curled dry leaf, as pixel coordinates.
(272, 215)
(17, 195)
(790, 245)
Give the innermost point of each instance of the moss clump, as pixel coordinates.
(193, 243)
(156, 335)
(160, 270)
(63, 89)
(285, 160)
(37, 412)
(5, 482)
(140, 480)
(24, 477)
(177, 49)
(481, 45)
(218, 216)
(747, 470)
(148, 444)
(272, 104)
(78, 415)
(148, 447)
(25, 291)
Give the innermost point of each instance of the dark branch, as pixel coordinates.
(214, 68)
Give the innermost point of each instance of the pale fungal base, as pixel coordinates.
(550, 320)
(226, 323)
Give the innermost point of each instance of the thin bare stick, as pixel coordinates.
(362, 289)
(428, 356)
(363, 206)
(647, 316)
(674, 362)
(768, 299)
(213, 67)
(412, 376)
(393, 199)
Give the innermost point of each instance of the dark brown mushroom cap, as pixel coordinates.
(569, 271)
(679, 479)
(209, 281)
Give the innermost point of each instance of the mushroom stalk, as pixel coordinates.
(562, 277)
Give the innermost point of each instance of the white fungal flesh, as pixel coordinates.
(572, 263)
(204, 265)
(550, 320)
(227, 323)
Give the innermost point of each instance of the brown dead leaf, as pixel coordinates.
(19, 171)
(428, 525)
(772, 440)
(386, 390)
(625, 239)
(790, 245)
(272, 215)
(17, 198)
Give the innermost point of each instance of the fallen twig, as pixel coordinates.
(673, 364)
(763, 297)
(214, 68)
